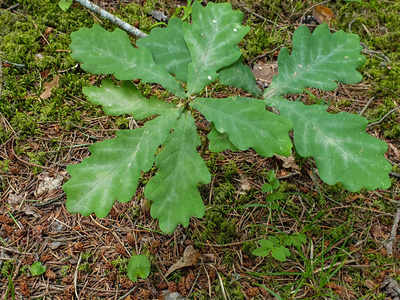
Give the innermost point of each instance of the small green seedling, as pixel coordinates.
(185, 58)
(37, 269)
(271, 188)
(7, 270)
(65, 4)
(187, 11)
(139, 266)
(277, 246)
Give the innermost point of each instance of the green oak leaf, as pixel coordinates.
(318, 60)
(342, 150)
(248, 124)
(103, 52)
(37, 269)
(212, 41)
(113, 170)
(173, 190)
(125, 100)
(65, 4)
(169, 48)
(219, 141)
(239, 75)
(138, 266)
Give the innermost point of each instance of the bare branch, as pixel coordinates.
(125, 26)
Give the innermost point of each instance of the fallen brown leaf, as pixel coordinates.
(190, 256)
(48, 184)
(48, 86)
(265, 71)
(288, 162)
(376, 232)
(322, 14)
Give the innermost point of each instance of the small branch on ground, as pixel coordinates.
(10, 8)
(366, 106)
(384, 117)
(125, 26)
(389, 243)
(76, 277)
(14, 64)
(30, 164)
(391, 288)
(394, 174)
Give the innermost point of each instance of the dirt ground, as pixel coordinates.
(86, 257)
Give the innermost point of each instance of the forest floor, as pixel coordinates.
(46, 124)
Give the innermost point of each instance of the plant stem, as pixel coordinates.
(125, 26)
(204, 146)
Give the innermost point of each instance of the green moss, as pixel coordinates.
(134, 12)
(344, 103)
(391, 130)
(223, 193)
(121, 263)
(122, 123)
(230, 170)
(86, 267)
(248, 248)
(6, 268)
(217, 227)
(4, 165)
(64, 270)
(25, 124)
(232, 287)
(245, 198)
(227, 232)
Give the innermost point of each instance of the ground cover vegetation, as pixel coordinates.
(331, 239)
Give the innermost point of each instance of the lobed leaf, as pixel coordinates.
(174, 188)
(126, 99)
(239, 75)
(248, 124)
(168, 48)
(212, 41)
(219, 141)
(103, 52)
(317, 60)
(113, 170)
(342, 150)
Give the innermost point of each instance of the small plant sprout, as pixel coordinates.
(277, 245)
(271, 188)
(184, 59)
(139, 266)
(37, 269)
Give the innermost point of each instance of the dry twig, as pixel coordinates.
(384, 117)
(389, 243)
(76, 276)
(125, 26)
